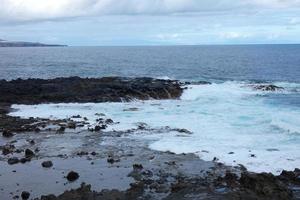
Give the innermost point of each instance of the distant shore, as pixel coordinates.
(4, 43)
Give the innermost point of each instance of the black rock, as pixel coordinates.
(72, 125)
(25, 195)
(29, 153)
(137, 166)
(47, 164)
(100, 127)
(72, 176)
(82, 90)
(61, 129)
(24, 160)
(109, 121)
(267, 87)
(112, 160)
(12, 161)
(7, 134)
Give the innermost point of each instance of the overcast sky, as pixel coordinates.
(150, 22)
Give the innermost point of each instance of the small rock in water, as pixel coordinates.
(25, 195)
(231, 152)
(93, 153)
(109, 121)
(272, 149)
(137, 166)
(215, 159)
(72, 125)
(183, 130)
(61, 129)
(32, 142)
(7, 134)
(267, 87)
(29, 153)
(131, 109)
(24, 160)
(72, 176)
(112, 160)
(99, 128)
(12, 161)
(47, 164)
(100, 114)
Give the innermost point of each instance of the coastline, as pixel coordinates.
(154, 174)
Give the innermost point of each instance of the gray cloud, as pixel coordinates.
(37, 10)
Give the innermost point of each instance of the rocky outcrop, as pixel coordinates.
(267, 87)
(75, 89)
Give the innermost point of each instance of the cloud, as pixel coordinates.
(294, 21)
(234, 35)
(31, 10)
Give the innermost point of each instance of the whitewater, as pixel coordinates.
(229, 121)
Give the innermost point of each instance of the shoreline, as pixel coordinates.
(166, 175)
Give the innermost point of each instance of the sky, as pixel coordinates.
(150, 22)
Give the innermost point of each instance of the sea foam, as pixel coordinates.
(230, 121)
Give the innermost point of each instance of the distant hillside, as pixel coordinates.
(4, 43)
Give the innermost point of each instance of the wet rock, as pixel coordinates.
(142, 126)
(7, 134)
(100, 114)
(215, 159)
(131, 109)
(37, 130)
(100, 127)
(8, 149)
(32, 142)
(231, 179)
(61, 129)
(82, 153)
(93, 153)
(179, 185)
(112, 160)
(289, 176)
(137, 166)
(72, 176)
(197, 83)
(183, 130)
(109, 121)
(265, 185)
(29, 153)
(25, 195)
(267, 87)
(272, 149)
(12, 161)
(24, 160)
(47, 164)
(72, 125)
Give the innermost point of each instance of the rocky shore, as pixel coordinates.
(57, 160)
(82, 90)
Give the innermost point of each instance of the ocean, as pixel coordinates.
(228, 119)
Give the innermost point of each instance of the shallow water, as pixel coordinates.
(260, 129)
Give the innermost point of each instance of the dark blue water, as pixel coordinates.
(213, 63)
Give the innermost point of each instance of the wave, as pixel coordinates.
(223, 117)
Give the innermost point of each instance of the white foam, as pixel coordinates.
(227, 117)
